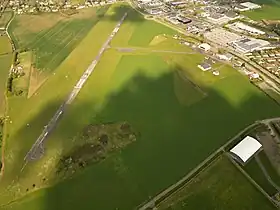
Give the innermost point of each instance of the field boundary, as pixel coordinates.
(179, 184)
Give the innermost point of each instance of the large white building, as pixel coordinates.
(245, 6)
(241, 27)
(246, 45)
(204, 46)
(246, 149)
(220, 19)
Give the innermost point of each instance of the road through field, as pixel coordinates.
(37, 148)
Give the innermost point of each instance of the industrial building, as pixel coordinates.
(241, 27)
(245, 149)
(245, 6)
(246, 45)
(220, 19)
(226, 57)
(204, 46)
(221, 36)
(184, 20)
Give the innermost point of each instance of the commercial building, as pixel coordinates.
(241, 27)
(245, 6)
(250, 5)
(226, 57)
(220, 19)
(221, 36)
(204, 46)
(154, 11)
(245, 149)
(184, 20)
(246, 45)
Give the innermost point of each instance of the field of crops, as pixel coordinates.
(144, 90)
(216, 190)
(4, 19)
(5, 45)
(52, 37)
(5, 63)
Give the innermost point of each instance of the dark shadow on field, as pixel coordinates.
(174, 139)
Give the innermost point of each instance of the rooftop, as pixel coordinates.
(246, 148)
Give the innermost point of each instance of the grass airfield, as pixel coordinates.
(179, 124)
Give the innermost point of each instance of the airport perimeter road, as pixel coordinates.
(37, 148)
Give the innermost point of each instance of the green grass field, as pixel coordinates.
(269, 167)
(4, 19)
(5, 45)
(140, 33)
(139, 89)
(5, 63)
(220, 186)
(253, 169)
(52, 37)
(150, 29)
(270, 10)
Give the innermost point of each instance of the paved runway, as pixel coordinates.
(37, 149)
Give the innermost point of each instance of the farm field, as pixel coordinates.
(5, 45)
(253, 169)
(269, 167)
(4, 19)
(270, 10)
(218, 191)
(5, 63)
(52, 37)
(145, 91)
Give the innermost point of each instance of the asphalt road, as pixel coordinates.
(37, 149)
(131, 49)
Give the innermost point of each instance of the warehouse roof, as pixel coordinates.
(246, 148)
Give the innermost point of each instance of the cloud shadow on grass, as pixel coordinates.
(174, 139)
